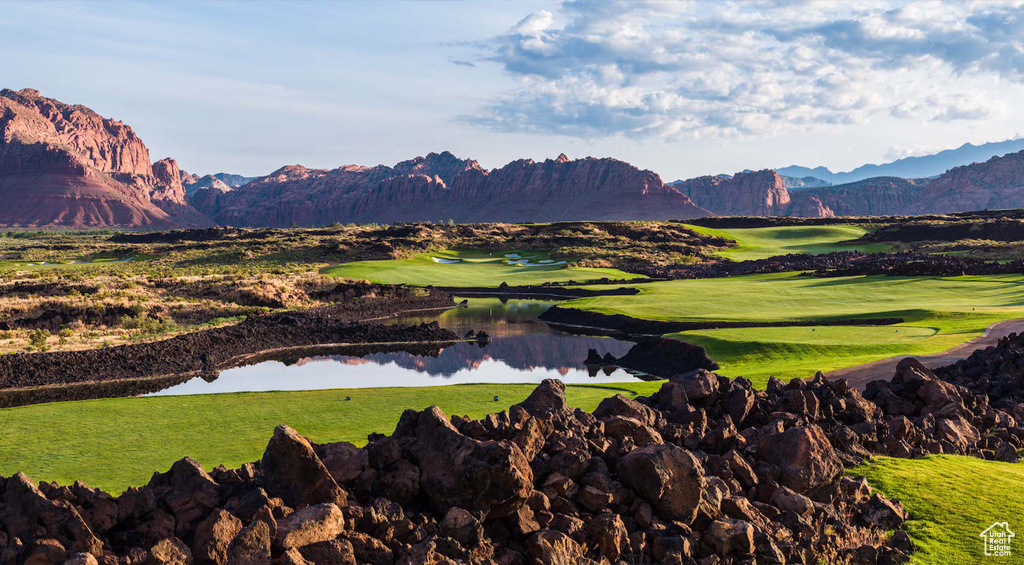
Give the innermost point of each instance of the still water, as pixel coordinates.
(522, 350)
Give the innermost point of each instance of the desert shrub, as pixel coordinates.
(37, 339)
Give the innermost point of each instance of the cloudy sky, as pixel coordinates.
(684, 88)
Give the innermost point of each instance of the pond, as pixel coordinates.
(522, 350)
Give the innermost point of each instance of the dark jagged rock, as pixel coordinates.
(707, 469)
(666, 357)
(177, 355)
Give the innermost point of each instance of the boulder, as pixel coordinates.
(292, 470)
(607, 534)
(548, 398)
(188, 492)
(958, 432)
(169, 551)
(698, 384)
(43, 551)
(344, 461)
(332, 552)
(806, 458)
(213, 538)
(492, 477)
(729, 537)
(668, 476)
(548, 547)
(252, 545)
(619, 405)
(26, 513)
(308, 525)
(883, 513)
(788, 501)
(368, 549)
(461, 526)
(81, 559)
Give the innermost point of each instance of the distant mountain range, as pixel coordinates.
(441, 187)
(65, 165)
(925, 166)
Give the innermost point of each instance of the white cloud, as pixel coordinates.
(652, 69)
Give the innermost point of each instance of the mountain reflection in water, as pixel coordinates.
(522, 350)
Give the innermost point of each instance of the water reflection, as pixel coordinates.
(522, 350)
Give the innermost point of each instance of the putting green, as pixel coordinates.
(951, 500)
(761, 243)
(467, 268)
(760, 353)
(939, 313)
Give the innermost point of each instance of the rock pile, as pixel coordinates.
(996, 372)
(923, 414)
(707, 471)
(838, 264)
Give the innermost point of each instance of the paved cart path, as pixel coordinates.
(860, 375)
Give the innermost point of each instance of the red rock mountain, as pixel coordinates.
(994, 184)
(441, 186)
(878, 196)
(64, 165)
(756, 193)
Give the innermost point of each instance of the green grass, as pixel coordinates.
(117, 443)
(475, 268)
(939, 313)
(760, 243)
(951, 500)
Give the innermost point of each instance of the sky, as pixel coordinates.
(680, 88)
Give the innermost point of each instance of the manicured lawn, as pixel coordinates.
(940, 313)
(951, 500)
(759, 243)
(117, 443)
(759, 353)
(473, 268)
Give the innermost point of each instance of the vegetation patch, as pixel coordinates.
(761, 243)
(787, 352)
(951, 310)
(469, 268)
(951, 500)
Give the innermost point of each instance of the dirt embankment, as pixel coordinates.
(635, 326)
(206, 350)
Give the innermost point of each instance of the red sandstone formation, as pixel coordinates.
(996, 183)
(67, 165)
(440, 187)
(757, 193)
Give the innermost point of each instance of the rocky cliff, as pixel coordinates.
(996, 183)
(763, 193)
(66, 165)
(751, 193)
(441, 186)
(871, 197)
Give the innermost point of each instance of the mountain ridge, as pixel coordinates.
(914, 167)
(64, 164)
(441, 186)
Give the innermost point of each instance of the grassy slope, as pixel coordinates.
(940, 313)
(116, 443)
(476, 268)
(951, 500)
(759, 243)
